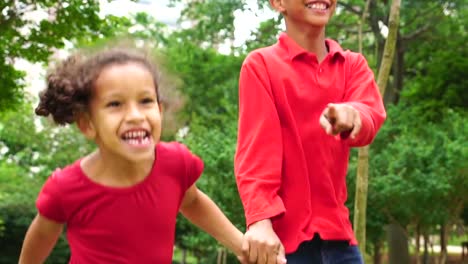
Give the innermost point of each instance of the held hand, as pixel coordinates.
(338, 118)
(261, 245)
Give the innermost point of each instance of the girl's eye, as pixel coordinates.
(147, 100)
(113, 104)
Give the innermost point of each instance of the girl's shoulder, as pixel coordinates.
(53, 199)
(67, 180)
(172, 148)
(68, 174)
(176, 157)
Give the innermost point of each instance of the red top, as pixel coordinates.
(287, 168)
(122, 225)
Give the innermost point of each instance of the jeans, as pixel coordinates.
(318, 251)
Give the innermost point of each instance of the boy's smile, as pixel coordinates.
(303, 14)
(321, 7)
(318, 6)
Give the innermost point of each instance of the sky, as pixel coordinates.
(157, 8)
(244, 23)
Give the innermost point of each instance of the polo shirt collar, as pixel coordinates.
(294, 50)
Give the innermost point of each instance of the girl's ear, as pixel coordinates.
(161, 108)
(85, 125)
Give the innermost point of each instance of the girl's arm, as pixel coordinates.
(40, 239)
(199, 209)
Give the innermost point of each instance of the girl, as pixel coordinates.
(119, 203)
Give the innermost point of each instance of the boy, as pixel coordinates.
(303, 103)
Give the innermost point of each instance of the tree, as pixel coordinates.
(31, 150)
(32, 30)
(362, 176)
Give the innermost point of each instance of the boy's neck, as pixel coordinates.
(312, 40)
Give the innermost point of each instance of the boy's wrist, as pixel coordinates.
(262, 223)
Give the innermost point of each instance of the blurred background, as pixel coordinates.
(417, 199)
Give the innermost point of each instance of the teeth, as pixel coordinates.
(319, 6)
(134, 134)
(138, 141)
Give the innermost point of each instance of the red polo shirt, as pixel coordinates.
(287, 168)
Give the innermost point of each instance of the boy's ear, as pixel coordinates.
(86, 126)
(277, 5)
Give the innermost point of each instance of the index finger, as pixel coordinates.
(332, 114)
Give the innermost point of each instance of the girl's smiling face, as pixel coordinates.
(124, 117)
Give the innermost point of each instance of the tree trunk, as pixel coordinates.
(418, 244)
(360, 201)
(393, 95)
(400, 72)
(222, 256)
(184, 256)
(443, 244)
(219, 256)
(363, 159)
(433, 258)
(426, 248)
(389, 49)
(225, 256)
(398, 252)
(378, 252)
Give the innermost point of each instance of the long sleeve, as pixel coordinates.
(258, 158)
(363, 94)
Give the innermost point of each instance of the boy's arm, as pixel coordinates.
(259, 154)
(40, 239)
(362, 94)
(199, 209)
(258, 161)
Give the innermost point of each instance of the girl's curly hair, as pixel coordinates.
(70, 84)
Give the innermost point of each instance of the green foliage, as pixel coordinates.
(213, 20)
(204, 73)
(424, 183)
(11, 80)
(216, 145)
(417, 171)
(120, 30)
(438, 78)
(265, 35)
(210, 81)
(30, 152)
(32, 31)
(42, 145)
(418, 168)
(17, 191)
